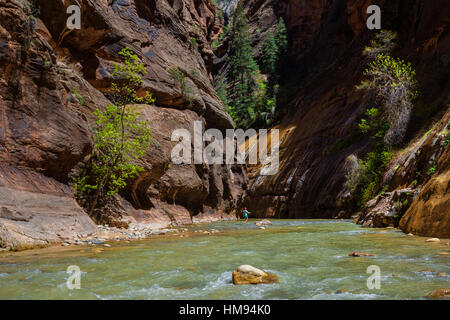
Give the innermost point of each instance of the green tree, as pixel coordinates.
(281, 37)
(120, 138)
(222, 92)
(393, 80)
(274, 49)
(394, 83)
(375, 163)
(270, 54)
(243, 72)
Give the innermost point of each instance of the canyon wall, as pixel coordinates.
(52, 79)
(322, 108)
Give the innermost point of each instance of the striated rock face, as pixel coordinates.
(424, 166)
(429, 214)
(386, 210)
(322, 106)
(36, 211)
(53, 78)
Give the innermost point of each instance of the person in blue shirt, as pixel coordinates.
(246, 213)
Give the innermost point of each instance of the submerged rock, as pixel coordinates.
(440, 293)
(360, 254)
(246, 274)
(264, 222)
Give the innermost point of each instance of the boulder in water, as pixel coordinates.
(246, 274)
(264, 222)
(360, 254)
(440, 293)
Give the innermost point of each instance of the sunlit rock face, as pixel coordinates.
(53, 78)
(321, 105)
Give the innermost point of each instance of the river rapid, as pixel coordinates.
(309, 256)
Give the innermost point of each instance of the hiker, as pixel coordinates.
(246, 213)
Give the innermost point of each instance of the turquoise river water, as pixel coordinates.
(309, 256)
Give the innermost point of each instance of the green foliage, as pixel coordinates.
(265, 102)
(47, 64)
(77, 95)
(446, 134)
(120, 138)
(243, 73)
(270, 54)
(447, 140)
(222, 92)
(388, 72)
(373, 167)
(394, 82)
(215, 44)
(373, 123)
(383, 44)
(375, 163)
(281, 37)
(180, 77)
(249, 97)
(432, 170)
(129, 73)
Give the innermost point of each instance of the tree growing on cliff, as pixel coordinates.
(242, 73)
(120, 138)
(270, 54)
(281, 37)
(394, 82)
(274, 48)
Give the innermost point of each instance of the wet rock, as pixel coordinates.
(440, 293)
(341, 291)
(264, 222)
(360, 254)
(246, 274)
(426, 270)
(386, 210)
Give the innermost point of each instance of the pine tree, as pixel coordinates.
(243, 72)
(270, 54)
(222, 92)
(275, 46)
(281, 37)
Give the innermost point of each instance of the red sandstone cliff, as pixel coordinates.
(51, 81)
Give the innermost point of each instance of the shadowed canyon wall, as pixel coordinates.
(321, 106)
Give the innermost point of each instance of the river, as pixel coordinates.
(309, 256)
